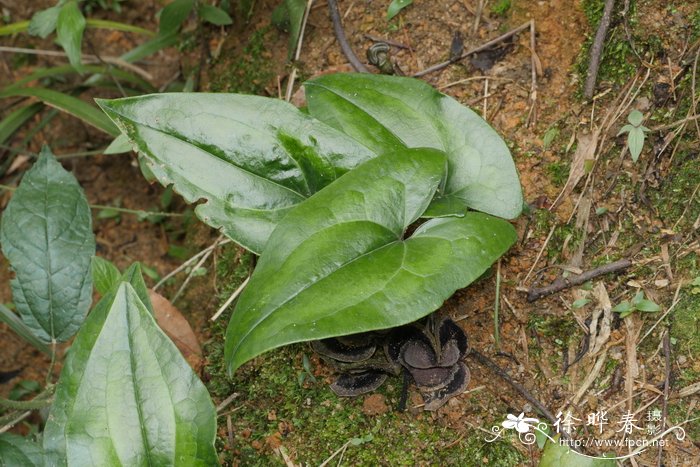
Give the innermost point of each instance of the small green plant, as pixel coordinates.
(125, 396)
(395, 7)
(501, 7)
(635, 133)
(327, 197)
(638, 303)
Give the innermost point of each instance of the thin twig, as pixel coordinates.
(195, 268)
(667, 388)
(398, 45)
(564, 283)
(190, 261)
(230, 300)
(496, 307)
(297, 51)
(487, 362)
(340, 36)
(597, 49)
(466, 54)
(85, 58)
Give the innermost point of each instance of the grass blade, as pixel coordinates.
(69, 104)
(16, 119)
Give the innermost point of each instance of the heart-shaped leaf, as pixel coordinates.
(252, 158)
(386, 113)
(126, 396)
(338, 263)
(46, 235)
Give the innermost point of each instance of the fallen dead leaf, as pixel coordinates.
(585, 151)
(177, 329)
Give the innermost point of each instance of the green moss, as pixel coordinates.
(558, 172)
(249, 72)
(501, 7)
(686, 323)
(618, 62)
(672, 199)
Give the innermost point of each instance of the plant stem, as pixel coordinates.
(496, 308)
(42, 400)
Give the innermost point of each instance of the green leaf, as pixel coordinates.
(69, 104)
(173, 15)
(395, 7)
(387, 113)
(117, 26)
(623, 307)
(638, 297)
(161, 41)
(105, 274)
(133, 275)
(635, 118)
(559, 455)
(18, 451)
(549, 137)
(16, 119)
(647, 306)
(10, 318)
(214, 15)
(41, 73)
(252, 158)
(580, 303)
(119, 145)
(46, 235)
(288, 16)
(338, 264)
(625, 129)
(69, 31)
(43, 22)
(635, 142)
(126, 396)
(14, 28)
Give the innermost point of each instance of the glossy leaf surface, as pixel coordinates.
(339, 264)
(46, 235)
(252, 158)
(387, 112)
(126, 396)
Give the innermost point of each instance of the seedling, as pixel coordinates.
(635, 133)
(638, 303)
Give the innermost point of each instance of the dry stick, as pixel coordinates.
(398, 45)
(564, 283)
(597, 49)
(340, 36)
(86, 58)
(466, 54)
(199, 264)
(487, 362)
(297, 52)
(534, 64)
(667, 388)
(190, 261)
(230, 300)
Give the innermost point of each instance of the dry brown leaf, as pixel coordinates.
(600, 337)
(19, 161)
(585, 151)
(177, 329)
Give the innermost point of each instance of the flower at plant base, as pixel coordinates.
(432, 354)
